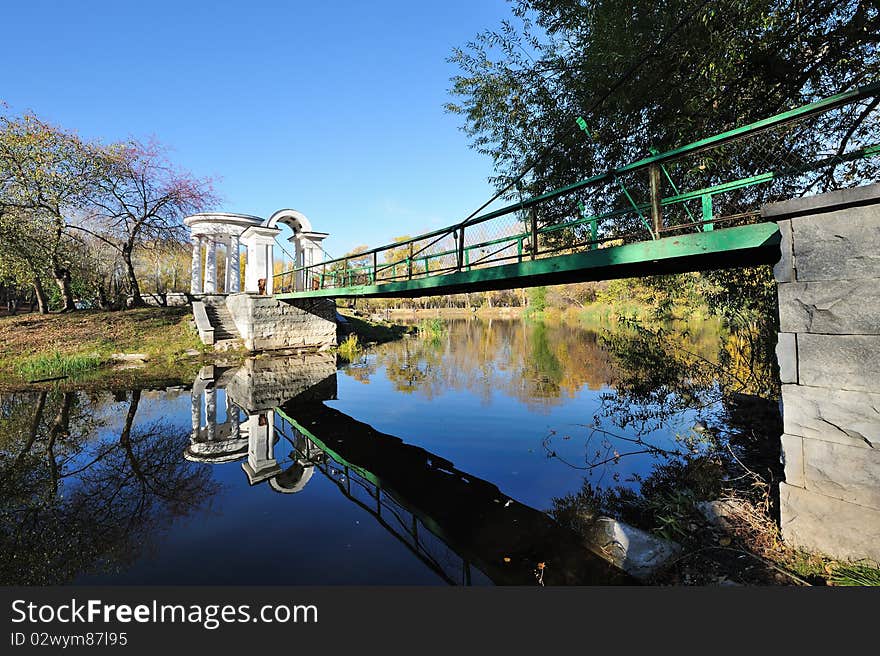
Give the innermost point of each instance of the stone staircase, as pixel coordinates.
(221, 322)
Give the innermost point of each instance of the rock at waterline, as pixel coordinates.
(721, 512)
(129, 357)
(633, 550)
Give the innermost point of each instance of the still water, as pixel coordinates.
(425, 461)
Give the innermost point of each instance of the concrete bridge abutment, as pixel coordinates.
(829, 360)
(269, 324)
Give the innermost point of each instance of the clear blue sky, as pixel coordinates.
(331, 108)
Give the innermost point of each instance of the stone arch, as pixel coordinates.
(296, 221)
(293, 479)
(307, 248)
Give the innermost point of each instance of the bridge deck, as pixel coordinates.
(747, 245)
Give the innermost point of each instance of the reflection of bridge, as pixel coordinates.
(739, 198)
(462, 527)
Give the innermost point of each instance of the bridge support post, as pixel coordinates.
(656, 198)
(829, 310)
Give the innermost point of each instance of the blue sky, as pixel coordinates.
(333, 108)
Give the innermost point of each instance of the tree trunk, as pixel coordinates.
(41, 296)
(62, 279)
(103, 301)
(136, 300)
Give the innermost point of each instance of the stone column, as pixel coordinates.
(196, 282)
(196, 414)
(233, 266)
(259, 241)
(270, 268)
(211, 267)
(261, 463)
(829, 317)
(211, 413)
(307, 247)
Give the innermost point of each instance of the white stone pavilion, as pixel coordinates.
(223, 234)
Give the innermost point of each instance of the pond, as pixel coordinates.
(463, 457)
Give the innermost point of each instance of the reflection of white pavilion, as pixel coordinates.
(223, 234)
(214, 441)
(247, 433)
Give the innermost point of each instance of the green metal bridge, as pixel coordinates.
(692, 208)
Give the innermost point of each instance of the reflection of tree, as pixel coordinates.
(664, 373)
(73, 500)
(660, 373)
(535, 362)
(546, 368)
(665, 499)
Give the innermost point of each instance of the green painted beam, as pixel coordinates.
(427, 521)
(747, 245)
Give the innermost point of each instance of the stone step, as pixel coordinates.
(221, 321)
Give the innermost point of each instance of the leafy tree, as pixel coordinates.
(731, 62)
(140, 198)
(23, 263)
(46, 175)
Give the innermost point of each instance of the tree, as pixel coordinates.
(648, 75)
(23, 264)
(141, 198)
(46, 175)
(732, 62)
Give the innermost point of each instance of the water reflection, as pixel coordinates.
(247, 429)
(462, 527)
(83, 488)
(426, 461)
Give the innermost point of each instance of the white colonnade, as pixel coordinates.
(222, 234)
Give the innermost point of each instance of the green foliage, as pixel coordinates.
(856, 574)
(56, 364)
(522, 86)
(538, 298)
(432, 329)
(350, 349)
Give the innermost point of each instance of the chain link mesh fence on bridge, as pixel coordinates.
(714, 183)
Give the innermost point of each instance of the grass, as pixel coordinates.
(350, 349)
(432, 329)
(855, 574)
(79, 345)
(54, 364)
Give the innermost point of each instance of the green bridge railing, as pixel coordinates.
(715, 182)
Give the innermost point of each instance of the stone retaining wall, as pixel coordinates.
(267, 324)
(265, 383)
(829, 360)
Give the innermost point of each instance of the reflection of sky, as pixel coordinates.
(502, 439)
(318, 536)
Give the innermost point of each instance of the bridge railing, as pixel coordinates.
(393, 514)
(714, 182)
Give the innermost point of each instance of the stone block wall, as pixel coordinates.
(267, 324)
(829, 360)
(265, 383)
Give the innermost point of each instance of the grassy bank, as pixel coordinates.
(369, 331)
(361, 332)
(79, 347)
